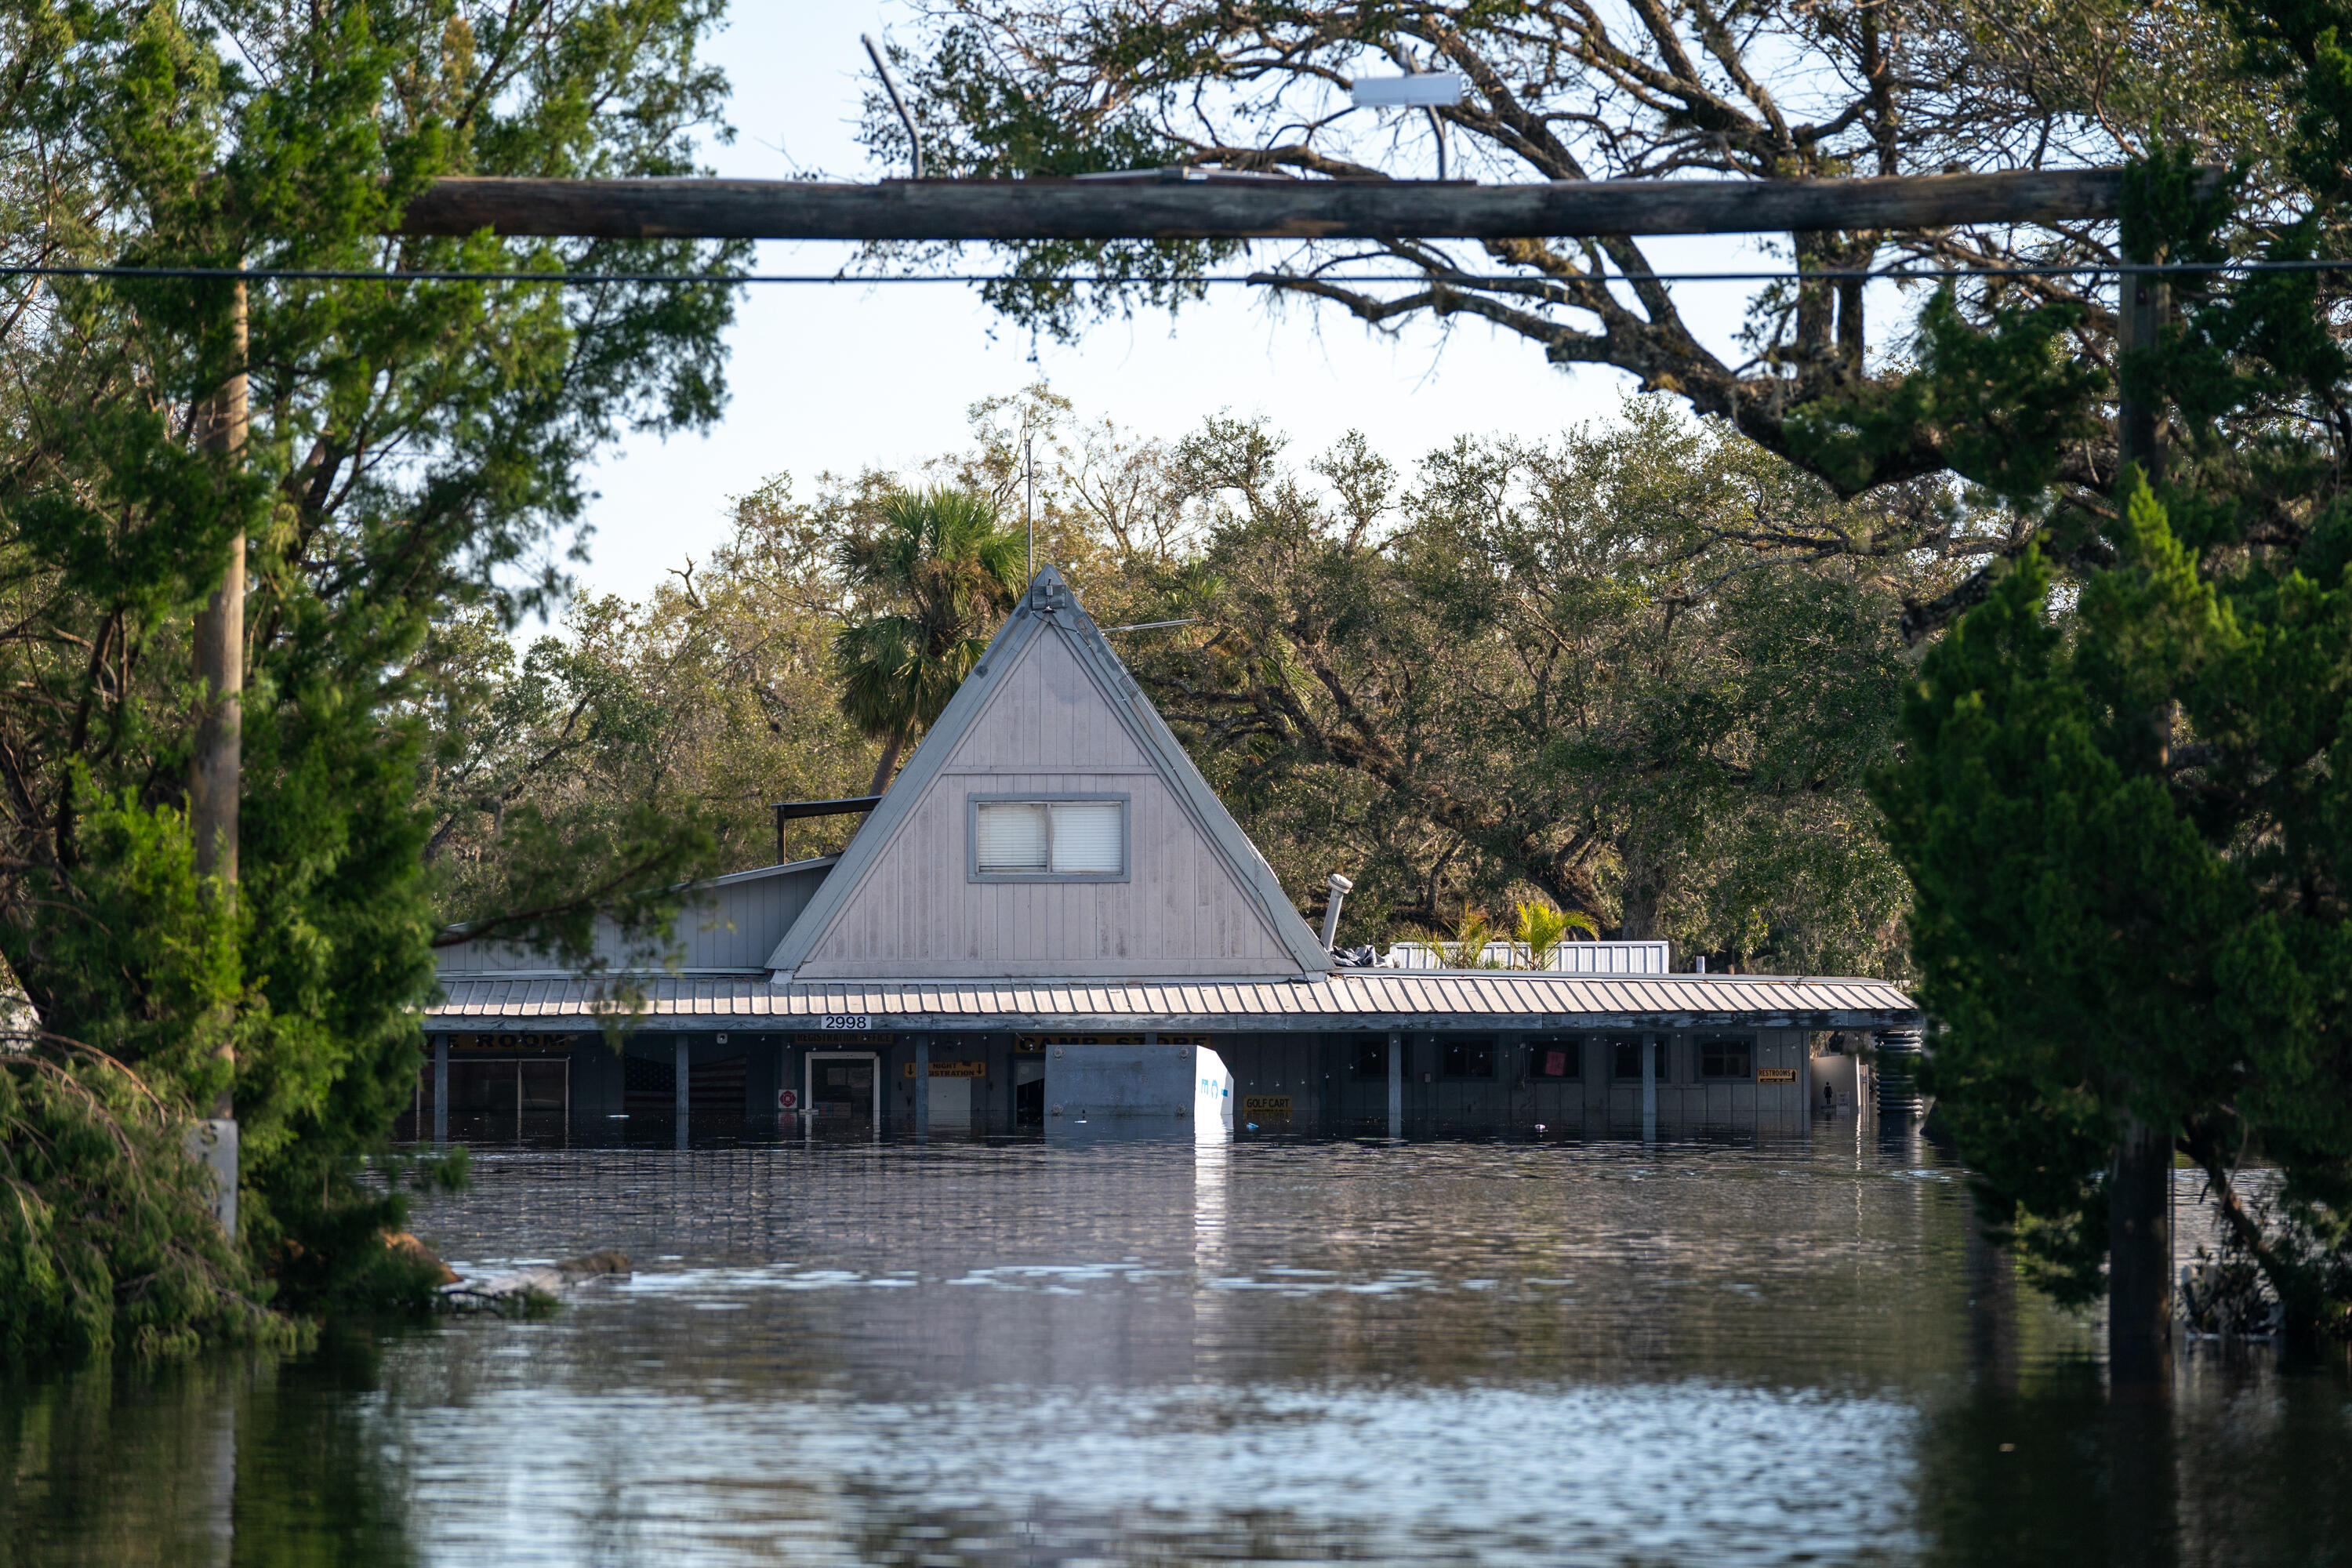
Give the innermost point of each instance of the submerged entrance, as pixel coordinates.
(844, 1092)
(1028, 1081)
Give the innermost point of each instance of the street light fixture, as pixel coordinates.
(1424, 90)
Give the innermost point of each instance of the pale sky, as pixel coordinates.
(845, 376)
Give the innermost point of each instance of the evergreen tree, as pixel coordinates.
(2126, 826)
(412, 448)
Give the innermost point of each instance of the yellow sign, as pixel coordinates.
(1775, 1075)
(953, 1069)
(835, 1041)
(1270, 1106)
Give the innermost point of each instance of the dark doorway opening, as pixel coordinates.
(1029, 1091)
(842, 1092)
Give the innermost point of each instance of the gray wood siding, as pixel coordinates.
(732, 923)
(1047, 729)
(1046, 713)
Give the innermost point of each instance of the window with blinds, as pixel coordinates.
(1012, 837)
(1049, 839)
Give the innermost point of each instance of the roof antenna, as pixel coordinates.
(1029, 507)
(914, 137)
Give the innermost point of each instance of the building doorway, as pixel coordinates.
(843, 1091)
(1029, 1090)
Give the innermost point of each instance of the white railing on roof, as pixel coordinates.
(1568, 958)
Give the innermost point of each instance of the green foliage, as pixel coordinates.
(1466, 947)
(980, 120)
(2126, 825)
(939, 574)
(1574, 671)
(412, 446)
(1561, 90)
(548, 810)
(1999, 405)
(2111, 918)
(1539, 928)
(147, 963)
(106, 1230)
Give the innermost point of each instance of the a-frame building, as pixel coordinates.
(1049, 719)
(1050, 908)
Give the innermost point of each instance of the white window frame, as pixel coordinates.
(973, 803)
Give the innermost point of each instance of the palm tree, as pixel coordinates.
(1541, 929)
(1471, 934)
(951, 574)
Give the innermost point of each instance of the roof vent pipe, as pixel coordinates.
(1340, 889)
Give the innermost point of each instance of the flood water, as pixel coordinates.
(1280, 1349)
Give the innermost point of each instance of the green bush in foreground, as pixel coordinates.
(108, 1236)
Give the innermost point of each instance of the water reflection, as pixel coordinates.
(1269, 1351)
(240, 1460)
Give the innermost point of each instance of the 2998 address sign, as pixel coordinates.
(847, 1023)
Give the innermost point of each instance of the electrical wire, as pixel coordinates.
(2094, 269)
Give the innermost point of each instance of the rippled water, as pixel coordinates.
(1276, 1351)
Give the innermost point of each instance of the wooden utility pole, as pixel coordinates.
(2143, 301)
(2139, 1189)
(214, 772)
(1195, 204)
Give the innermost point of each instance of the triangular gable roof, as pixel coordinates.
(1048, 610)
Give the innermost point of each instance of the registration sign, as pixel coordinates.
(953, 1069)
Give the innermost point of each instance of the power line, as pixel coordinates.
(2093, 269)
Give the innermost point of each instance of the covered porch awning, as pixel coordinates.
(1348, 999)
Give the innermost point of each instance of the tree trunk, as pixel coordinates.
(889, 763)
(1642, 899)
(2139, 1259)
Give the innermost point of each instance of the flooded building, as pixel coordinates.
(1050, 920)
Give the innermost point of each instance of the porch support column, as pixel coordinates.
(1649, 1088)
(922, 1087)
(440, 1088)
(685, 1082)
(1396, 1083)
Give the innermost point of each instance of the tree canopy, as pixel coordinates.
(1499, 673)
(1560, 90)
(937, 575)
(414, 448)
(1539, 669)
(2118, 803)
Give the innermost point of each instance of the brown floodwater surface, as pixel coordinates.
(1282, 1350)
